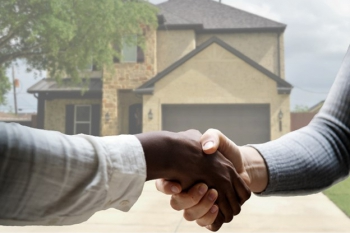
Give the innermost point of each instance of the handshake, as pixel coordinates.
(208, 176)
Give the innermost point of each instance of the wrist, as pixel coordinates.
(255, 167)
(157, 147)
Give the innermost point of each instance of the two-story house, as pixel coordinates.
(208, 65)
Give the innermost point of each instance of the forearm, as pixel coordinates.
(48, 178)
(314, 157)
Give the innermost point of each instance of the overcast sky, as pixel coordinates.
(316, 39)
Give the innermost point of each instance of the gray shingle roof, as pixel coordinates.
(50, 85)
(283, 87)
(213, 15)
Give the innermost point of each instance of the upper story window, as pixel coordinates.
(130, 52)
(129, 49)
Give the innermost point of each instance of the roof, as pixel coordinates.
(213, 16)
(50, 85)
(300, 119)
(283, 86)
(7, 117)
(316, 107)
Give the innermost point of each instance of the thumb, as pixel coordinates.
(168, 187)
(213, 140)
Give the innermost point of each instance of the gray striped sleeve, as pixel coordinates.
(315, 157)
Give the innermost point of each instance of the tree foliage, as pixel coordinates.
(300, 108)
(5, 85)
(65, 36)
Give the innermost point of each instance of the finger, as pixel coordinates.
(242, 190)
(188, 199)
(168, 187)
(217, 223)
(234, 202)
(203, 207)
(213, 140)
(225, 206)
(209, 217)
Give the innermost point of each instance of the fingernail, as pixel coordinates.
(212, 196)
(208, 145)
(175, 189)
(214, 209)
(202, 189)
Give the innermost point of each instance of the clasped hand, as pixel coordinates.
(209, 188)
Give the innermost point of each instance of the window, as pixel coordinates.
(130, 52)
(82, 119)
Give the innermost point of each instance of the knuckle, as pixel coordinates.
(237, 210)
(174, 204)
(201, 223)
(188, 216)
(248, 195)
(228, 218)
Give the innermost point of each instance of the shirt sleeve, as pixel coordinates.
(48, 178)
(317, 156)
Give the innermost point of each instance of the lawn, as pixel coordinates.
(340, 195)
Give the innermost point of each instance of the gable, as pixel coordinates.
(215, 72)
(228, 53)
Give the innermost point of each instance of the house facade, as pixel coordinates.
(208, 65)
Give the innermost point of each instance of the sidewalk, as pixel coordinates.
(152, 213)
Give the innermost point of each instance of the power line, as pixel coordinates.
(310, 91)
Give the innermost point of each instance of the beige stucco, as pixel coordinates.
(216, 76)
(262, 47)
(173, 45)
(55, 112)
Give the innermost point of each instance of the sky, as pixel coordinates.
(316, 40)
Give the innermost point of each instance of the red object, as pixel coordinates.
(16, 82)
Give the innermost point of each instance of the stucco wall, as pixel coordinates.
(126, 76)
(216, 76)
(55, 112)
(173, 45)
(261, 47)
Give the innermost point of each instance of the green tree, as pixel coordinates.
(4, 85)
(65, 36)
(300, 108)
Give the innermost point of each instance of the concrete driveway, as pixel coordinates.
(152, 213)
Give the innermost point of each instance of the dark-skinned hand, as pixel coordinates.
(179, 157)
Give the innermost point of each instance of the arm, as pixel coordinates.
(315, 157)
(48, 178)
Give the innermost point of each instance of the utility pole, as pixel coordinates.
(14, 89)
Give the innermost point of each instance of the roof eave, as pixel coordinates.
(200, 30)
(181, 27)
(242, 30)
(284, 90)
(62, 91)
(144, 91)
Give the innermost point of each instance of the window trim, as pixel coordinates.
(83, 122)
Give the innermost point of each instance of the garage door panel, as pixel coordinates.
(243, 123)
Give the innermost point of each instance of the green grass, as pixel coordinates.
(340, 195)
